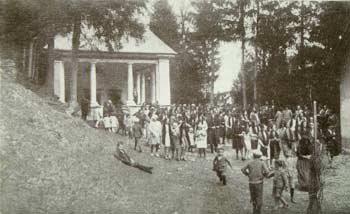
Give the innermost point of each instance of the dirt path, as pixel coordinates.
(192, 187)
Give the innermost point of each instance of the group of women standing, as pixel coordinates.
(181, 129)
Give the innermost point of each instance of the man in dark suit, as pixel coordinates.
(213, 138)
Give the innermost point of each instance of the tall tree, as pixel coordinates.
(208, 33)
(242, 5)
(23, 22)
(164, 23)
(256, 50)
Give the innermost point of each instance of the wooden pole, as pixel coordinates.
(315, 121)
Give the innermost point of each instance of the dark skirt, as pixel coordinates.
(275, 149)
(237, 143)
(264, 151)
(221, 131)
(303, 168)
(332, 148)
(254, 144)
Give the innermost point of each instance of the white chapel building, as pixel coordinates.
(136, 73)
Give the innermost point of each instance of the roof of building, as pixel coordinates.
(149, 44)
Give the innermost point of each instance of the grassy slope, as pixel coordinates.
(53, 163)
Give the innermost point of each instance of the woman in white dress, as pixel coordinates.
(166, 138)
(201, 136)
(247, 143)
(155, 129)
(114, 123)
(107, 122)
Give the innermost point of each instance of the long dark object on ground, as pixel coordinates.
(147, 169)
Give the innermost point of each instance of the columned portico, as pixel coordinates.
(164, 81)
(143, 87)
(93, 102)
(153, 87)
(130, 85)
(157, 82)
(138, 87)
(59, 83)
(146, 63)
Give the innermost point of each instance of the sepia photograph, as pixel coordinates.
(174, 107)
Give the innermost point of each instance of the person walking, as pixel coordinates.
(256, 170)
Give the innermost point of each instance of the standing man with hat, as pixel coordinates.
(256, 170)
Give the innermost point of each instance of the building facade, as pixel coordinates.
(137, 73)
(345, 104)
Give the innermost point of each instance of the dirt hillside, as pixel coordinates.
(51, 162)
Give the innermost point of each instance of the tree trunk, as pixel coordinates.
(242, 11)
(73, 98)
(35, 64)
(50, 63)
(256, 53)
(212, 90)
(30, 59)
(303, 74)
(24, 59)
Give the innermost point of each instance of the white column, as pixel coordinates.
(153, 86)
(93, 101)
(59, 83)
(345, 104)
(143, 87)
(164, 82)
(138, 87)
(130, 85)
(157, 82)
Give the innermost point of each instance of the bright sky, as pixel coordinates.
(230, 55)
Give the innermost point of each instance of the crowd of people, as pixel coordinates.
(183, 128)
(280, 137)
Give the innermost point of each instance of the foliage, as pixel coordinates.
(208, 31)
(185, 69)
(164, 24)
(301, 51)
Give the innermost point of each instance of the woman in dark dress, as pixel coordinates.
(237, 142)
(275, 148)
(304, 152)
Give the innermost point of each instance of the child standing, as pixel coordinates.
(256, 170)
(114, 123)
(290, 164)
(155, 129)
(137, 130)
(220, 165)
(279, 184)
(192, 139)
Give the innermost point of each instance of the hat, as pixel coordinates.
(256, 153)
